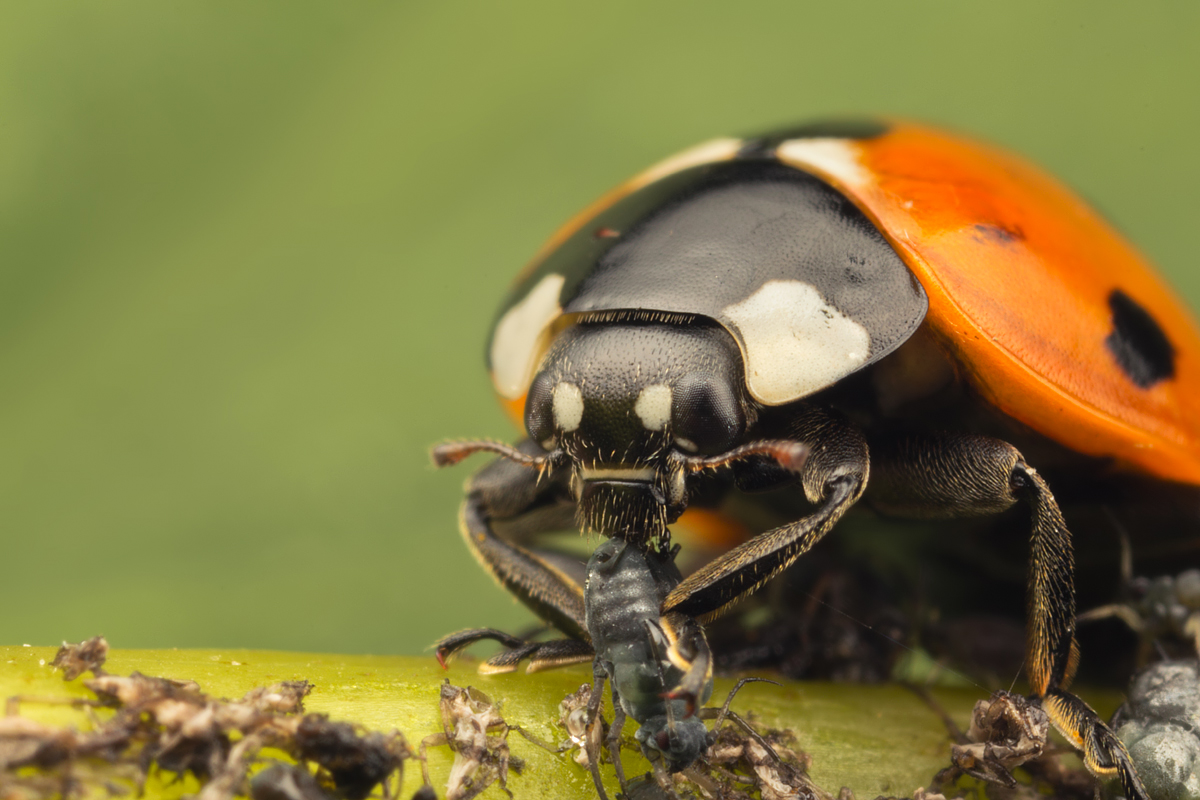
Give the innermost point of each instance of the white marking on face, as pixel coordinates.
(837, 158)
(686, 444)
(795, 342)
(653, 406)
(568, 406)
(703, 153)
(515, 347)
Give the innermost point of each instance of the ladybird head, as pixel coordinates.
(626, 404)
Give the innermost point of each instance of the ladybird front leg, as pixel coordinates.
(524, 503)
(680, 640)
(833, 478)
(541, 655)
(946, 476)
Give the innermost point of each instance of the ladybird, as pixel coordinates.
(944, 329)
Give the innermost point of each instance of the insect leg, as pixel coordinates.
(432, 740)
(833, 477)
(541, 655)
(680, 640)
(510, 493)
(958, 476)
(593, 731)
(614, 745)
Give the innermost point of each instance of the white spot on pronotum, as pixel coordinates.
(703, 153)
(795, 342)
(568, 406)
(653, 406)
(837, 158)
(518, 334)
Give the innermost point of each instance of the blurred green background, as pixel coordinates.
(250, 252)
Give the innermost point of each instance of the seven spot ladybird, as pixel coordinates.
(947, 331)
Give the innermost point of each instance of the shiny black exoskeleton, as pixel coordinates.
(729, 322)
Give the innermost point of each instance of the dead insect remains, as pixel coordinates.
(171, 725)
(473, 728)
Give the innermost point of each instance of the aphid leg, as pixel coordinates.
(952, 728)
(432, 740)
(833, 477)
(707, 785)
(614, 745)
(663, 778)
(594, 731)
(960, 476)
(1122, 611)
(534, 739)
(725, 713)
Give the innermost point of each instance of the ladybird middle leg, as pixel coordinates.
(964, 475)
(833, 478)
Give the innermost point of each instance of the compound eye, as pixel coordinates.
(706, 416)
(539, 411)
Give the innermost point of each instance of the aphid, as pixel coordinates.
(1161, 722)
(1163, 611)
(659, 666)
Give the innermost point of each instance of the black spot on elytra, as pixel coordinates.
(763, 145)
(998, 235)
(1141, 348)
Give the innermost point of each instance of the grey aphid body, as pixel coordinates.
(1160, 725)
(625, 590)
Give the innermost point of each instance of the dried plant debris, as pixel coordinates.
(473, 728)
(572, 717)
(920, 794)
(740, 763)
(286, 782)
(357, 761)
(76, 659)
(1006, 732)
(173, 726)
